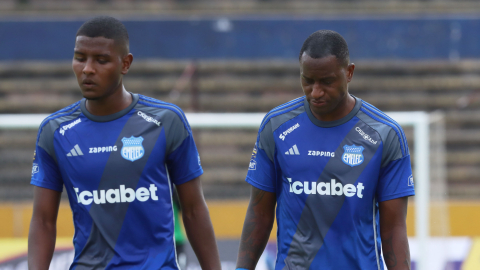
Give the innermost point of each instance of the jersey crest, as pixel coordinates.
(132, 148)
(353, 155)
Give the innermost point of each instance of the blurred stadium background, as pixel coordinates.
(242, 56)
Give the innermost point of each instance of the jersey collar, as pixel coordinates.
(111, 117)
(350, 115)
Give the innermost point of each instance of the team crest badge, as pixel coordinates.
(132, 148)
(353, 155)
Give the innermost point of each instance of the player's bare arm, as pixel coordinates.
(393, 231)
(198, 225)
(43, 228)
(256, 228)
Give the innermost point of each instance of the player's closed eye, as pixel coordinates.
(327, 82)
(102, 61)
(308, 80)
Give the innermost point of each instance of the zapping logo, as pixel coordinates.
(102, 149)
(331, 188)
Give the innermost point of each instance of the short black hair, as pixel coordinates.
(324, 43)
(107, 27)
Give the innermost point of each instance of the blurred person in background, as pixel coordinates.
(336, 168)
(118, 155)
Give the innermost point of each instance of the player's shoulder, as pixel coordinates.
(164, 110)
(376, 118)
(66, 114)
(384, 125)
(283, 113)
(156, 106)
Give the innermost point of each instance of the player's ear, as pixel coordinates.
(126, 63)
(350, 69)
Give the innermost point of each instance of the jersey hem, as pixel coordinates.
(258, 185)
(45, 185)
(396, 196)
(189, 177)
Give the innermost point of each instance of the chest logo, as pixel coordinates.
(293, 151)
(365, 135)
(132, 148)
(288, 131)
(353, 155)
(76, 151)
(69, 126)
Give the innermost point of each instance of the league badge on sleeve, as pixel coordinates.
(353, 155)
(253, 163)
(132, 148)
(410, 180)
(35, 168)
(252, 166)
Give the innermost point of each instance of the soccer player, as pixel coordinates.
(118, 155)
(336, 168)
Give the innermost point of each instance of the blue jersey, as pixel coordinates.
(328, 178)
(118, 171)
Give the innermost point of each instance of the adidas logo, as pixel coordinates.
(293, 151)
(76, 151)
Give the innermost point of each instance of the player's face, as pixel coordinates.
(325, 84)
(99, 66)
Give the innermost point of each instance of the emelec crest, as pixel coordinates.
(353, 155)
(132, 148)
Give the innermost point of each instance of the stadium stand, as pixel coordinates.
(250, 86)
(149, 7)
(247, 86)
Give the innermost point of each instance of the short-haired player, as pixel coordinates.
(336, 169)
(118, 156)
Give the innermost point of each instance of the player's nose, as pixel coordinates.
(88, 68)
(317, 91)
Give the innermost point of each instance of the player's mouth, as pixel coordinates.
(318, 103)
(88, 83)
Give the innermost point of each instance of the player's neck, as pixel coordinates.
(342, 110)
(111, 104)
